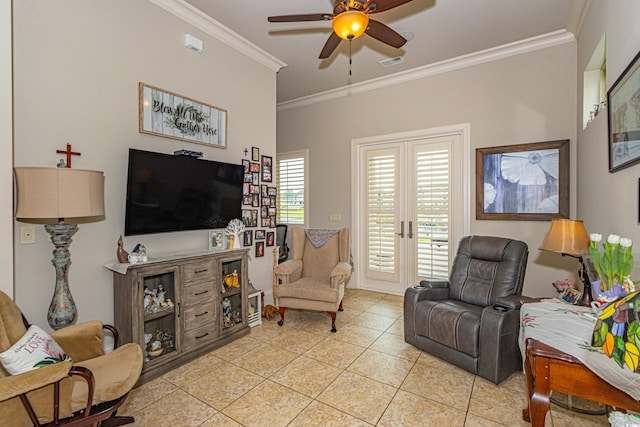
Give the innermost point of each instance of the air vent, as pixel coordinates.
(390, 62)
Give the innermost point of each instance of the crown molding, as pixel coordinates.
(543, 41)
(194, 16)
(577, 12)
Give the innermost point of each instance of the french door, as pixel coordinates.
(410, 210)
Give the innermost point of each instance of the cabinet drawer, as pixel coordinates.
(200, 270)
(199, 315)
(198, 293)
(200, 336)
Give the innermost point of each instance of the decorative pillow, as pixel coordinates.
(34, 350)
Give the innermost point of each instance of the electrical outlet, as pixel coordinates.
(27, 234)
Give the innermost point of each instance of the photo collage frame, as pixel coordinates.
(259, 200)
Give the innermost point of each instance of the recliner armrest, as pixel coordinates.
(435, 283)
(511, 302)
(419, 293)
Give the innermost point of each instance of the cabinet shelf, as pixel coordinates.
(229, 293)
(159, 314)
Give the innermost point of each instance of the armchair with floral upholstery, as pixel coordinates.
(85, 391)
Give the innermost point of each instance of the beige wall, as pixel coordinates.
(524, 98)
(608, 202)
(6, 145)
(76, 78)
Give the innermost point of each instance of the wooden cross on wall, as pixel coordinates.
(69, 153)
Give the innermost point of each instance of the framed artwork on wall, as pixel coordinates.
(267, 168)
(523, 181)
(623, 101)
(259, 249)
(247, 238)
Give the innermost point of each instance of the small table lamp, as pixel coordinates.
(569, 238)
(49, 196)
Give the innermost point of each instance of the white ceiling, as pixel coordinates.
(443, 29)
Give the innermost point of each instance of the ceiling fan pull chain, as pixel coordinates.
(350, 40)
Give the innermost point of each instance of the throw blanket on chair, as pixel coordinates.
(319, 236)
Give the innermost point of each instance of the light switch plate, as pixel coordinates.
(335, 217)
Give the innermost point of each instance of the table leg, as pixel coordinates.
(538, 388)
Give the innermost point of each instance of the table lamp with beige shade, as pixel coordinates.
(59, 198)
(568, 237)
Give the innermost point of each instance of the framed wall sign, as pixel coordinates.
(623, 100)
(168, 114)
(523, 181)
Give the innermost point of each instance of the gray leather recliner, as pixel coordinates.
(472, 320)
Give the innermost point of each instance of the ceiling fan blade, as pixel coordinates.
(382, 5)
(332, 43)
(299, 18)
(381, 32)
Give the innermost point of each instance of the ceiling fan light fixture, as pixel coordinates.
(351, 24)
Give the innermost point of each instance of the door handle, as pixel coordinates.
(410, 235)
(401, 233)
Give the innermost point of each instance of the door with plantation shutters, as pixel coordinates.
(411, 210)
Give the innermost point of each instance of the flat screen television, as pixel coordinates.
(176, 193)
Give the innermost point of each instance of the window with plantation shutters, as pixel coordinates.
(291, 183)
(432, 212)
(382, 212)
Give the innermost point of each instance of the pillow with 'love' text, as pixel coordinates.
(34, 350)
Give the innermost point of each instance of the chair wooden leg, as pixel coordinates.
(281, 310)
(333, 320)
(340, 307)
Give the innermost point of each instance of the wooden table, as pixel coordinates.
(555, 341)
(548, 369)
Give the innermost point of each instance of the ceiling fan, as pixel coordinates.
(350, 20)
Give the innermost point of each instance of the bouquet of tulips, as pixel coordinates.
(614, 262)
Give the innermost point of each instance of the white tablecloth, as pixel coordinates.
(569, 328)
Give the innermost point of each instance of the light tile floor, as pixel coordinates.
(301, 374)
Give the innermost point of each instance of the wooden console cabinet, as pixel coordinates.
(183, 303)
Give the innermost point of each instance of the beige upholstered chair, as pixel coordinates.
(88, 390)
(316, 274)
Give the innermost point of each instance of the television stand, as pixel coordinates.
(178, 307)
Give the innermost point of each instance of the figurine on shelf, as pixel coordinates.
(231, 280)
(161, 292)
(121, 254)
(226, 307)
(147, 297)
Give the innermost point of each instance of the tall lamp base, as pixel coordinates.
(62, 310)
(587, 297)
